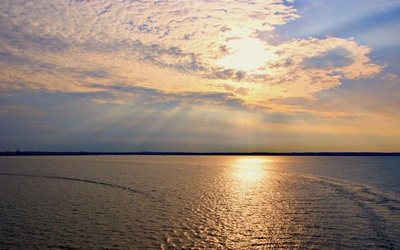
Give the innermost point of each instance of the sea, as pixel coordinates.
(199, 202)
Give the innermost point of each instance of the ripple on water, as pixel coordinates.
(193, 208)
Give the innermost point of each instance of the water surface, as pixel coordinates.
(223, 202)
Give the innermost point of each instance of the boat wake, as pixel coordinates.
(79, 180)
(381, 209)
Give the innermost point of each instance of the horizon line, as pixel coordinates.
(227, 153)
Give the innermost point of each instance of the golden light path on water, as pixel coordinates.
(249, 210)
(192, 202)
(250, 169)
(256, 203)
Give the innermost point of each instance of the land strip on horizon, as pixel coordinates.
(71, 153)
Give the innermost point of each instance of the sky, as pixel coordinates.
(200, 75)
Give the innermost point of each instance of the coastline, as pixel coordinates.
(82, 153)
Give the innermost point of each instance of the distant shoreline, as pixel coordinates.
(82, 153)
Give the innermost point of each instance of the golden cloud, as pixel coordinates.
(171, 46)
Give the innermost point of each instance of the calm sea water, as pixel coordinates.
(191, 202)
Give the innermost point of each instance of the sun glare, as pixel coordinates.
(250, 169)
(248, 54)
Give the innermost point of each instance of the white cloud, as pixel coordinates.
(172, 46)
(193, 25)
(304, 67)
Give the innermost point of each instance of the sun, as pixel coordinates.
(247, 53)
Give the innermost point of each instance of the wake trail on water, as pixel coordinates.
(380, 208)
(80, 180)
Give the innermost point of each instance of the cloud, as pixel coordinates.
(304, 67)
(154, 97)
(226, 74)
(239, 91)
(188, 23)
(332, 59)
(140, 75)
(171, 47)
(22, 37)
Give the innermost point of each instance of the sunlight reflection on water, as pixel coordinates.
(193, 202)
(250, 169)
